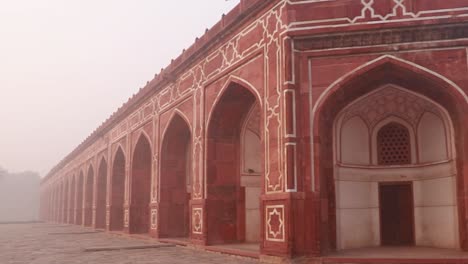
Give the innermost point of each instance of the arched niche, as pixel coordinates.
(433, 140)
(251, 143)
(397, 121)
(354, 144)
(399, 124)
(251, 170)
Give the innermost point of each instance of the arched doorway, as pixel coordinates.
(392, 128)
(234, 168)
(101, 195)
(60, 203)
(71, 219)
(66, 201)
(117, 192)
(51, 204)
(79, 199)
(140, 187)
(175, 181)
(89, 193)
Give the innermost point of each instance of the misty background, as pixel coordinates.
(19, 196)
(65, 66)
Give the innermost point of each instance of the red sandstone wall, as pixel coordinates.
(279, 51)
(427, 40)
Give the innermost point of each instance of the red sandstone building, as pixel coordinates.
(304, 127)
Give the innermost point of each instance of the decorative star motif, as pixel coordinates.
(197, 221)
(275, 220)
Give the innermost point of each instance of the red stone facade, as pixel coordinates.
(301, 63)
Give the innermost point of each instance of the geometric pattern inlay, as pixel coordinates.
(197, 221)
(154, 219)
(377, 105)
(126, 218)
(275, 223)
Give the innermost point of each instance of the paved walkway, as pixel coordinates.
(61, 244)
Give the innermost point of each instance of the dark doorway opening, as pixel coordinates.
(396, 214)
(101, 195)
(117, 192)
(226, 196)
(140, 188)
(175, 180)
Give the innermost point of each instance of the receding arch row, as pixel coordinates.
(235, 122)
(75, 196)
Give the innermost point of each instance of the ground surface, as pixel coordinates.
(61, 244)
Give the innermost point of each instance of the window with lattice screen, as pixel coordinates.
(393, 145)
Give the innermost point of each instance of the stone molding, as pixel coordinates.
(384, 37)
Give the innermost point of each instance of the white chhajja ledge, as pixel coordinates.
(413, 172)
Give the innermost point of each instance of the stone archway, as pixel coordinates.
(66, 201)
(383, 71)
(233, 185)
(89, 196)
(101, 195)
(139, 222)
(79, 199)
(60, 202)
(71, 219)
(117, 194)
(175, 179)
(395, 174)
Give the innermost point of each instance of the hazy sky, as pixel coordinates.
(65, 66)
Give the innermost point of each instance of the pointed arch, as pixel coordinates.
(89, 197)
(389, 62)
(72, 205)
(359, 82)
(352, 141)
(174, 183)
(398, 122)
(143, 138)
(60, 201)
(140, 185)
(66, 199)
(244, 83)
(101, 194)
(223, 167)
(119, 148)
(176, 114)
(117, 190)
(79, 199)
(434, 138)
(229, 83)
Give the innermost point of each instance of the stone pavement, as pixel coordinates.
(62, 244)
